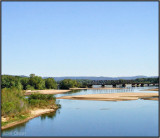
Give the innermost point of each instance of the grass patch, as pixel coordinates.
(15, 118)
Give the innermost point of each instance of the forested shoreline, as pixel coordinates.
(34, 82)
(38, 83)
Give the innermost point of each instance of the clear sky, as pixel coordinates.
(80, 38)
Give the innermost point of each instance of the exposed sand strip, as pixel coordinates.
(150, 98)
(28, 92)
(111, 96)
(34, 113)
(151, 89)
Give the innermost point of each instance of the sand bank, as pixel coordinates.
(111, 96)
(151, 90)
(34, 113)
(28, 92)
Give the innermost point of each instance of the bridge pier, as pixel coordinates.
(133, 85)
(90, 86)
(103, 85)
(157, 84)
(123, 85)
(138, 85)
(114, 85)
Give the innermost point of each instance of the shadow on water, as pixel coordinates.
(51, 115)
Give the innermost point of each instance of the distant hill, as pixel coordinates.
(101, 78)
(94, 77)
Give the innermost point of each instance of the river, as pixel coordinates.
(94, 118)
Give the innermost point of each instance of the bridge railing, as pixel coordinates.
(116, 82)
(111, 82)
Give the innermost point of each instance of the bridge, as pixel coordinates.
(114, 83)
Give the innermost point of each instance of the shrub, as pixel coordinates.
(40, 100)
(13, 101)
(29, 87)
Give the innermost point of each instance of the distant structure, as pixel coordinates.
(114, 83)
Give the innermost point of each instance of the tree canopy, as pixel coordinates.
(28, 83)
(68, 83)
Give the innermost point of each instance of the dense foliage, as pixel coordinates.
(28, 83)
(83, 83)
(14, 103)
(50, 83)
(68, 83)
(40, 100)
(147, 80)
(10, 81)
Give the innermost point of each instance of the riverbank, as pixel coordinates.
(29, 92)
(113, 96)
(151, 90)
(33, 113)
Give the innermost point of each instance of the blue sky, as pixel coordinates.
(80, 38)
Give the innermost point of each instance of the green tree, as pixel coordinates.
(24, 82)
(68, 83)
(37, 82)
(50, 83)
(10, 81)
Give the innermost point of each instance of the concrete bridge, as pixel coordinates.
(114, 83)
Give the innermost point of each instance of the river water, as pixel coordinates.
(94, 118)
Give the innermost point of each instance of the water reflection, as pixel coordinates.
(51, 115)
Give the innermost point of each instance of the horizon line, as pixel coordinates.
(86, 76)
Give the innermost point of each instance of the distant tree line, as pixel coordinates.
(147, 80)
(69, 83)
(124, 81)
(28, 83)
(37, 82)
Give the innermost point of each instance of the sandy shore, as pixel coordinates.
(151, 90)
(28, 92)
(112, 96)
(33, 114)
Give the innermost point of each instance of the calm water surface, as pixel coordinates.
(94, 118)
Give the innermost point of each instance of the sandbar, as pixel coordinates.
(151, 89)
(28, 92)
(112, 96)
